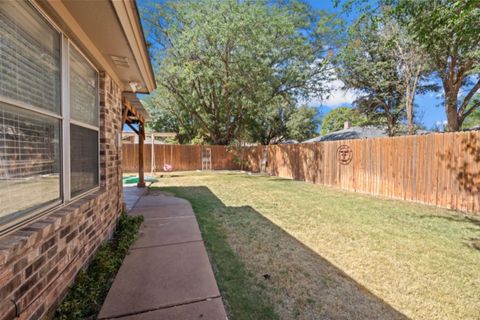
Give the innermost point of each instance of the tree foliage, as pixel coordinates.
(445, 33)
(366, 65)
(303, 123)
(335, 119)
(165, 117)
(448, 33)
(473, 118)
(227, 64)
(384, 62)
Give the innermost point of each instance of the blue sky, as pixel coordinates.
(428, 105)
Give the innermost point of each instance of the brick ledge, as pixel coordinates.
(18, 241)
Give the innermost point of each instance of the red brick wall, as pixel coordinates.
(39, 261)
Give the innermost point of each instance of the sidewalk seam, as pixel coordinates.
(172, 217)
(167, 244)
(138, 199)
(165, 307)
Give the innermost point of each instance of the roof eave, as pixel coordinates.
(129, 18)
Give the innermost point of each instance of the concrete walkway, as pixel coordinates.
(131, 194)
(167, 274)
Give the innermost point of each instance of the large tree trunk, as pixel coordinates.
(390, 126)
(410, 100)
(453, 121)
(411, 128)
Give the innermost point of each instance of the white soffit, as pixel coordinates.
(101, 24)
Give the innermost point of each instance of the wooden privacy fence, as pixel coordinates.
(439, 169)
(181, 157)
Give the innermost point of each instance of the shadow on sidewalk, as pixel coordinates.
(297, 281)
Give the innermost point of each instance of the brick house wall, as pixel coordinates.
(40, 261)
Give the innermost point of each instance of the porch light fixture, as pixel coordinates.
(135, 86)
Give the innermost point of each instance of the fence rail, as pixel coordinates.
(439, 169)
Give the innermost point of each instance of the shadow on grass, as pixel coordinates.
(258, 265)
(473, 222)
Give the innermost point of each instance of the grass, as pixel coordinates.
(85, 298)
(315, 252)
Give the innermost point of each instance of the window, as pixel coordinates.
(29, 111)
(29, 57)
(33, 119)
(84, 124)
(84, 154)
(83, 90)
(29, 161)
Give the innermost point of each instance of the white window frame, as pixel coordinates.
(65, 197)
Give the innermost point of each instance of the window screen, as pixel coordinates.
(84, 159)
(29, 161)
(83, 135)
(29, 57)
(83, 89)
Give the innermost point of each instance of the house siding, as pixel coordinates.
(40, 261)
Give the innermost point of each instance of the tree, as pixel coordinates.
(303, 123)
(411, 60)
(165, 117)
(448, 33)
(282, 122)
(225, 62)
(270, 126)
(473, 119)
(335, 119)
(366, 65)
(396, 66)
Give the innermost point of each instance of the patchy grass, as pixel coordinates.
(85, 298)
(317, 252)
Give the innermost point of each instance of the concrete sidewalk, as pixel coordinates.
(167, 274)
(131, 194)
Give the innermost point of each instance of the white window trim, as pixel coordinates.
(23, 105)
(65, 171)
(65, 78)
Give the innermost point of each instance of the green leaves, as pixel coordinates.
(443, 33)
(448, 32)
(224, 63)
(336, 119)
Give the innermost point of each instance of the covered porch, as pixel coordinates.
(134, 116)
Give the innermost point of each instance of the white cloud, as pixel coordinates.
(337, 97)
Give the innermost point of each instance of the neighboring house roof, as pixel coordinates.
(110, 33)
(475, 128)
(289, 141)
(352, 133)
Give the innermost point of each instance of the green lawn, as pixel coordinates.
(294, 250)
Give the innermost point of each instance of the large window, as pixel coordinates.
(48, 150)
